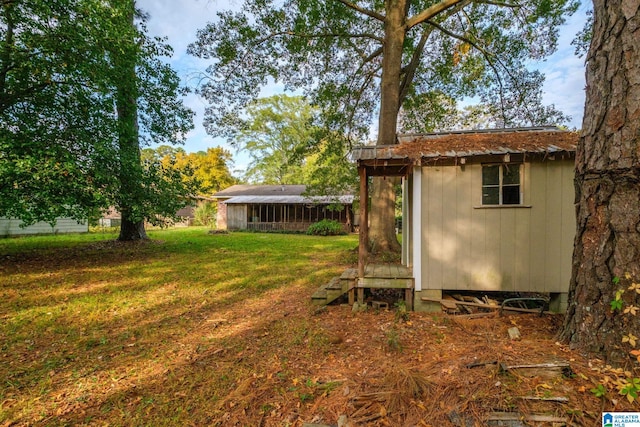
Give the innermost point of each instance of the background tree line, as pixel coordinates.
(82, 87)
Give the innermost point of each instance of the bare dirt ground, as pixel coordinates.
(377, 368)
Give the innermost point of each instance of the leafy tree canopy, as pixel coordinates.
(333, 51)
(204, 172)
(277, 133)
(287, 146)
(59, 75)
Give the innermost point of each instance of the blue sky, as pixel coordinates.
(179, 20)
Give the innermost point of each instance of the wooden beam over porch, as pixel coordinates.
(378, 276)
(363, 248)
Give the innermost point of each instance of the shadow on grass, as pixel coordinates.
(97, 332)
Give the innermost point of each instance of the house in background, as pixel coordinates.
(11, 227)
(110, 218)
(186, 216)
(483, 210)
(279, 208)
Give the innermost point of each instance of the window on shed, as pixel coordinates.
(501, 184)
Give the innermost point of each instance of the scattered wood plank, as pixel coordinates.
(489, 301)
(515, 416)
(544, 370)
(558, 399)
(477, 300)
(491, 307)
(476, 315)
(449, 304)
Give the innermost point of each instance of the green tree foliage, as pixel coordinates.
(277, 134)
(286, 146)
(358, 59)
(327, 170)
(334, 51)
(81, 87)
(211, 169)
(204, 172)
(52, 112)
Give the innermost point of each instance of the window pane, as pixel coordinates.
(490, 195)
(511, 174)
(491, 175)
(511, 195)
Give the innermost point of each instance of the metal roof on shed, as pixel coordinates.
(543, 140)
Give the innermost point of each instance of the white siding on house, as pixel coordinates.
(11, 227)
(467, 246)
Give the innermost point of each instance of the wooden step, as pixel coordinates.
(320, 294)
(330, 291)
(349, 274)
(334, 283)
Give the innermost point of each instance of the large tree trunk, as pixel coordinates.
(132, 226)
(607, 243)
(382, 232)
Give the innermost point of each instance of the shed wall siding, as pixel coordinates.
(11, 227)
(469, 247)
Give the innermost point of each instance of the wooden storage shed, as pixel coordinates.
(279, 208)
(485, 210)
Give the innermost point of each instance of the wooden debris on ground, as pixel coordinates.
(451, 305)
(515, 419)
(514, 333)
(558, 399)
(543, 370)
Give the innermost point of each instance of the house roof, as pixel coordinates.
(288, 200)
(451, 145)
(261, 190)
(275, 194)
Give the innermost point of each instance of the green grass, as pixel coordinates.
(83, 316)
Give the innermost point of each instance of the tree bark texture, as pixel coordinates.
(132, 225)
(382, 232)
(607, 242)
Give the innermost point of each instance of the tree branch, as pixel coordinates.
(321, 35)
(488, 56)
(358, 94)
(373, 55)
(430, 12)
(412, 66)
(367, 12)
(501, 4)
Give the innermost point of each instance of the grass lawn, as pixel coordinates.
(88, 323)
(195, 329)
